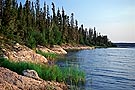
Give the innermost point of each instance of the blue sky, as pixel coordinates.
(114, 18)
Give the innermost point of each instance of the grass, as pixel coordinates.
(69, 75)
(49, 56)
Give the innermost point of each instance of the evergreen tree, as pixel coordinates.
(94, 36)
(37, 7)
(6, 19)
(44, 14)
(33, 15)
(59, 19)
(20, 25)
(76, 31)
(67, 29)
(72, 31)
(14, 4)
(48, 17)
(72, 20)
(38, 27)
(81, 35)
(27, 7)
(53, 10)
(0, 12)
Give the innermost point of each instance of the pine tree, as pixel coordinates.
(81, 35)
(14, 4)
(72, 20)
(63, 17)
(53, 10)
(67, 29)
(44, 14)
(37, 7)
(20, 25)
(77, 32)
(48, 17)
(0, 11)
(90, 36)
(59, 19)
(94, 36)
(72, 32)
(36, 26)
(6, 19)
(33, 15)
(27, 7)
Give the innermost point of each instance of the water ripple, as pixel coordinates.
(106, 69)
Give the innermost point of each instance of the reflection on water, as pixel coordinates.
(106, 69)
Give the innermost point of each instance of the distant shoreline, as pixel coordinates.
(125, 45)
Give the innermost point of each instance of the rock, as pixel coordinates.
(54, 49)
(10, 80)
(44, 49)
(17, 44)
(23, 53)
(4, 56)
(77, 47)
(58, 50)
(4, 50)
(31, 73)
(6, 86)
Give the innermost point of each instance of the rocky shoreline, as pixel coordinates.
(10, 80)
(22, 53)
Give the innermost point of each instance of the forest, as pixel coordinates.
(32, 25)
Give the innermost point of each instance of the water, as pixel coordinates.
(106, 69)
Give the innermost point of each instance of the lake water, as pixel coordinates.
(106, 69)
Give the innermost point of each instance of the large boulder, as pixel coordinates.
(23, 53)
(10, 80)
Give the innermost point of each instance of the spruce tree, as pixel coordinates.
(6, 19)
(33, 15)
(37, 7)
(0, 10)
(94, 36)
(38, 27)
(44, 14)
(53, 10)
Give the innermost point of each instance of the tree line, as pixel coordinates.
(32, 25)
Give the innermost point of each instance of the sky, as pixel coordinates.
(114, 18)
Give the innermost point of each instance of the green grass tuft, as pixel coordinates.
(49, 56)
(69, 75)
